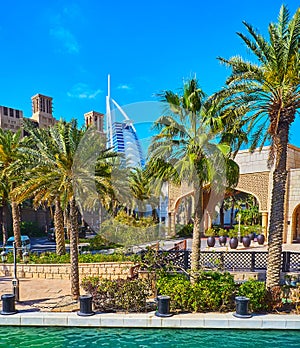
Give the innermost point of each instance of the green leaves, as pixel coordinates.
(115, 295)
(214, 291)
(256, 292)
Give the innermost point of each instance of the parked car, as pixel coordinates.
(51, 233)
(25, 240)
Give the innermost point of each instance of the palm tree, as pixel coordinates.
(140, 189)
(50, 178)
(185, 149)
(40, 178)
(10, 144)
(270, 88)
(4, 208)
(67, 167)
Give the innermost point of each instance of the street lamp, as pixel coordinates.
(239, 230)
(15, 281)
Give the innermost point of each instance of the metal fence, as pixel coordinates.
(233, 261)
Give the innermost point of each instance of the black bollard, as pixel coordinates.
(163, 305)
(242, 307)
(85, 306)
(8, 304)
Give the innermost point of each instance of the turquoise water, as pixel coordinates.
(79, 337)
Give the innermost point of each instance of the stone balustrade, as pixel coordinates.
(107, 270)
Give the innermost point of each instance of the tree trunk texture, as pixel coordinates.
(196, 242)
(222, 215)
(67, 222)
(276, 228)
(74, 250)
(232, 213)
(16, 217)
(59, 229)
(4, 220)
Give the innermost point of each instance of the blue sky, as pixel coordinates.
(65, 49)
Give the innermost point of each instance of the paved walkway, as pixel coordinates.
(47, 295)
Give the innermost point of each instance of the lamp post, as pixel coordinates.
(239, 230)
(15, 281)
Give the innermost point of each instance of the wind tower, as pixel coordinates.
(42, 110)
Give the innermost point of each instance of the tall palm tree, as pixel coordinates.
(270, 88)
(40, 178)
(63, 166)
(50, 178)
(184, 144)
(10, 144)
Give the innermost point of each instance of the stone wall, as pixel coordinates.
(107, 270)
(256, 184)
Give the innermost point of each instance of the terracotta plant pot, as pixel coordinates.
(260, 239)
(246, 241)
(233, 242)
(211, 241)
(222, 240)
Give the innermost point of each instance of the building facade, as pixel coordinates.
(256, 179)
(94, 119)
(11, 118)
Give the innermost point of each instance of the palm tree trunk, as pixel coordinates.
(198, 224)
(74, 250)
(4, 220)
(67, 223)
(222, 215)
(277, 208)
(16, 226)
(59, 229)
(232, 212)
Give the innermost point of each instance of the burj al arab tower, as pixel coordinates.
(121, 134)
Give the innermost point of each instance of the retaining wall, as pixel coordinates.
(107, 270)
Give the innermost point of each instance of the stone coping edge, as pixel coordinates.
(149, 320)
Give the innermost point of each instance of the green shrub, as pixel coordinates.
(214, 291)
(178, 287)
(115, 295)
(52, 258)
(186, 231)
(31, 229)
(257, 294)
(210, 232)
(222, 232)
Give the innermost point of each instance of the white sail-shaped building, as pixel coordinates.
(121, 135)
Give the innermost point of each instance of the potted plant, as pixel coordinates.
(246, 240)
(211, 240)
(233, 241)
(244, 236)
(261, 239)
(222, 237)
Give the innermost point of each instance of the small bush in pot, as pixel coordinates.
(246, 241)
(261, 239)
(210, 234)
(233, 241)
(222, 236)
